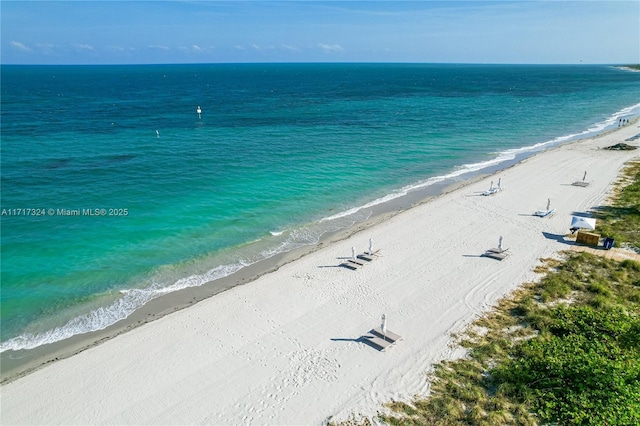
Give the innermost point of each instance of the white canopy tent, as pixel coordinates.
(578, 222)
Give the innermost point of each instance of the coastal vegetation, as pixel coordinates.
(563, 350)
(621, 218)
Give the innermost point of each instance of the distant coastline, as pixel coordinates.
(634, 68)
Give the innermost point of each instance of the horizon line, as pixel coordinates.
(328, 63)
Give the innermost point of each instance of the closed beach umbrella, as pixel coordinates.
(353, 253)
(370, 246)
(383, 326)
(583, 222)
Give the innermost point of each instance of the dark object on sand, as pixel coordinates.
(608, 243)
(621, 147)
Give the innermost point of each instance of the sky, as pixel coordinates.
(419, 31)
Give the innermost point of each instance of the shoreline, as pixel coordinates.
(288, 347)
(17, 364)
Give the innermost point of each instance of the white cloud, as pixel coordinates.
(255, 46)
(238, 47)
(85, 46)
(330, 47)
(159, 46)
(288, 47)
(21, 46)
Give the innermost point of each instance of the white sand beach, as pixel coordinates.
(287, 348)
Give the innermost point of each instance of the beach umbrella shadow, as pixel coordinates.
(556, 237)
(581, 214)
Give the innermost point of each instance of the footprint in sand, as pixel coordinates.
(310, 365)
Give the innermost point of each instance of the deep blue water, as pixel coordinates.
(282, 154)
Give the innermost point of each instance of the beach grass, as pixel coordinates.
(621, 219)
(562, 350)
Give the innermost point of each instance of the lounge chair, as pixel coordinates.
(356, 261)
(547, 212)
(366, 257)
(378, 342)
(387, 335)
(544, 213)
(382, 340)
(350, 265)
(499, 249)
(493, 255)
(369, 256)
(583, 183)
(494, 190)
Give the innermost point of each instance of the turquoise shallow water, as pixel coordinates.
(114, 191)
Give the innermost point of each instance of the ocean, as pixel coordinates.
(116, 191)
